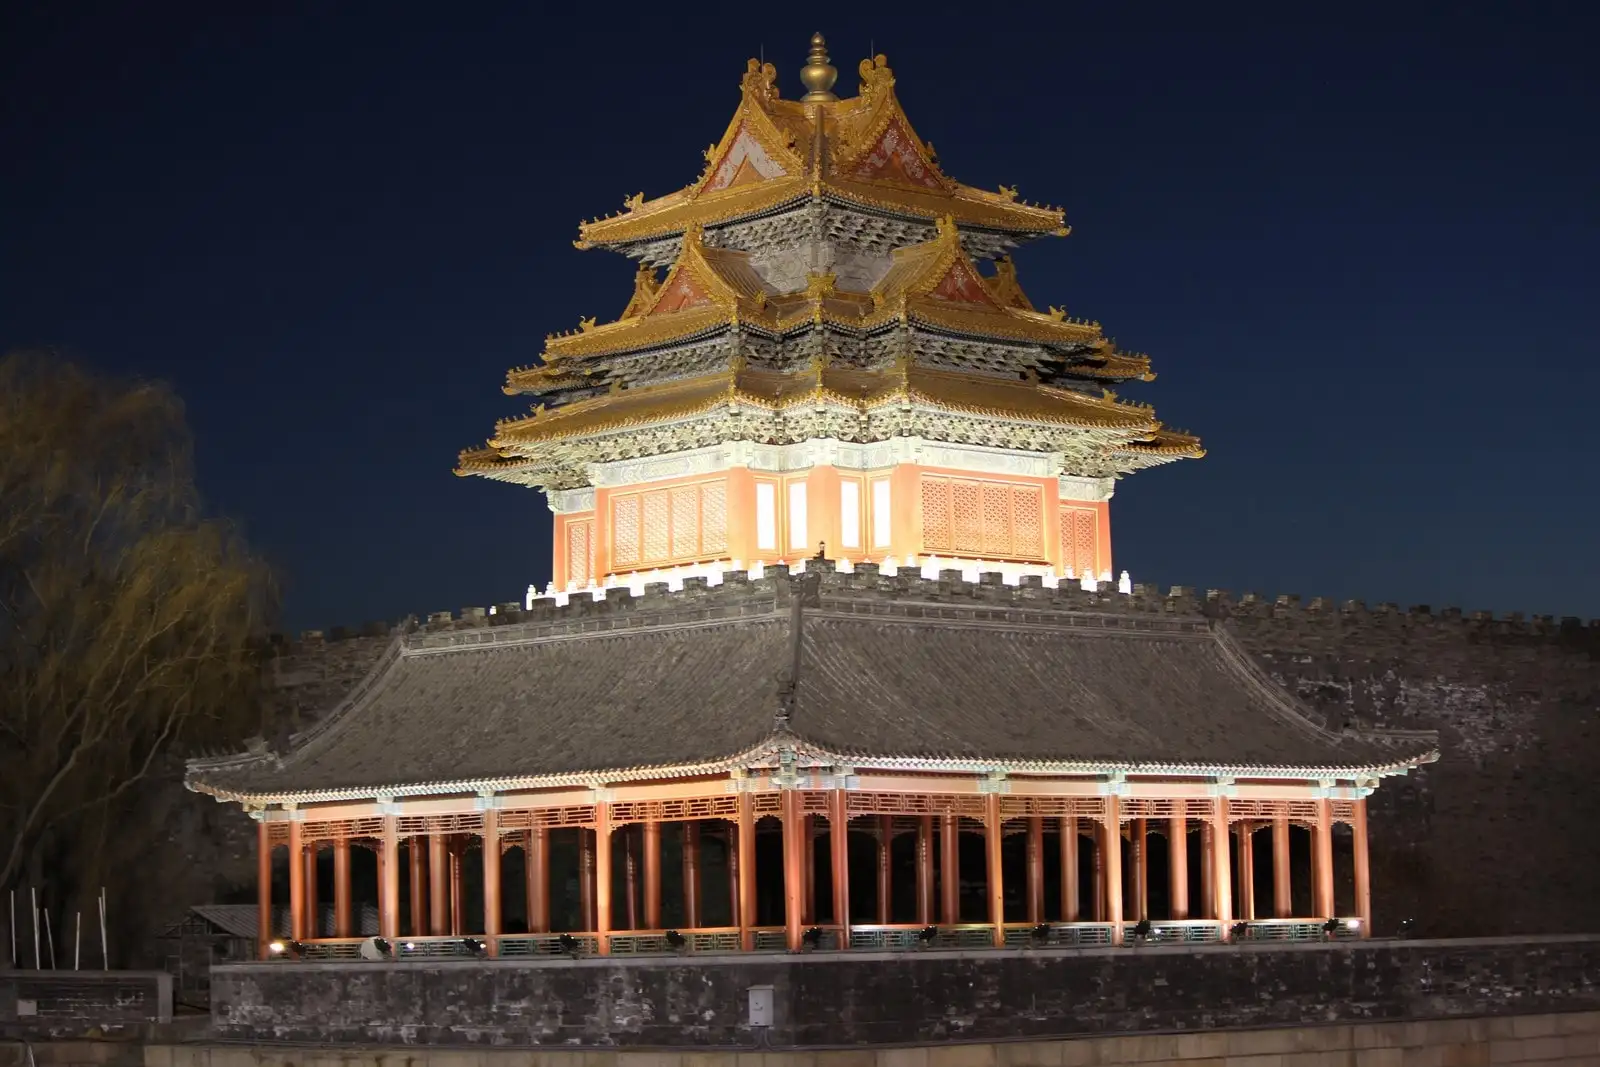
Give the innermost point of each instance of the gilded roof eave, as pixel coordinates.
(816, 146)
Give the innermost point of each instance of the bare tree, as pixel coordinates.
(130, 622)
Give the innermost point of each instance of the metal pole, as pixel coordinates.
(105, 952)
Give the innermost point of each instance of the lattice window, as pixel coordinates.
(993, 520)
(714, 518)
(1080, 528)
(580, 552)
(966, 517)
(685, 520)
(936, 515)
(677, 524)
(656, 538)
(1027, 522)
(625, 536)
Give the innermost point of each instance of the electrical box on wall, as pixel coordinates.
(761, 1005)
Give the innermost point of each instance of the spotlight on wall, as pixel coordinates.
(1040, 934)
(1141, 931)
(277, 948)
(1330, 929)
(287, 949)
(812, 938)
(569, 944)
(475, 948)
(377, 948)
(1352, 925)
(1407, 927)
(927, 935)
(677, 940)
(1240, 931)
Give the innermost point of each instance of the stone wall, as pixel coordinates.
(904, 998)
(48, 1000)
(1565, 1040)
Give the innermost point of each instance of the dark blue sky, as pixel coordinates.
(1360, 249)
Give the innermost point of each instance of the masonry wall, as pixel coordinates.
(906, 998)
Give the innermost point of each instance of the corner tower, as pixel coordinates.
(826, 345)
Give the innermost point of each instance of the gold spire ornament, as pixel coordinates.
(818, 75)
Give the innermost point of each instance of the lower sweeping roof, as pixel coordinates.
(893, 671)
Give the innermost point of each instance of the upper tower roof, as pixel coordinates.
(859, 152)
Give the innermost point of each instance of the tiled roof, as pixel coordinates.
(894, 671)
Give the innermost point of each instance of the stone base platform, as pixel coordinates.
(856, 1000)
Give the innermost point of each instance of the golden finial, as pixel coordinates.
(818, 75)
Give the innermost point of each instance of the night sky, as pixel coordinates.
(1361, 253)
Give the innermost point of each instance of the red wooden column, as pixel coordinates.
(1111, 834)
(925, 869)
(458, 894)
(839, 861)
(438, 884)
(491, 881)
(1208, 871)
(992, 839)
(1363, 873)
(588, 878)
(297, 879)
(1035, 869)
(1071, 907)
(1178, 864)
(747, 871)
(313, 927)
(652, 875)
(1221, 876)
(1322, 860)
(949, 871)
(1247, 871)
(794, 875)
(419, 887)
(263, 887)
(343, 911)
(809, 862)
(885, 841)
(537, 851)
(1099, 874)
(602, 876)
(1138, 842)
(691, 874)
(731, 840)
(630, 877)
(1282, 887)
(389, 882)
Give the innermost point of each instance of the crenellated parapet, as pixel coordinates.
(991, 588)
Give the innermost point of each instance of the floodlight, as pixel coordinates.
(928, 935)
(677, 940)
(474, 947)
(1141, 930)
(1040, 933)
(376, 948)
(812, 938)
(569, 944)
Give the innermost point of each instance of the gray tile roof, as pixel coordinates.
(893, 669)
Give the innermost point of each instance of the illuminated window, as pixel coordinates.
(850, 514)
(767, 516)
(797, 515)
(880, 513)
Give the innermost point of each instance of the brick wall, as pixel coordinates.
(905, 998)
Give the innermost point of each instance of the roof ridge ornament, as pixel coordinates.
(818, 75)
